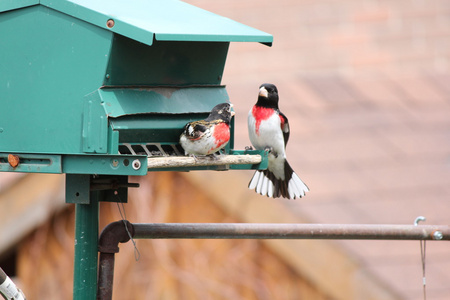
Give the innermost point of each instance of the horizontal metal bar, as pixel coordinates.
(105, 164)
(289, 231)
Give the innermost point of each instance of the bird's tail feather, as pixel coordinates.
(265, 183)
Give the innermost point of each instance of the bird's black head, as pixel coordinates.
(268, 96)
(222, 112)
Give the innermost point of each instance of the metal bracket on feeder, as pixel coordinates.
(111, 183)
(111, 188)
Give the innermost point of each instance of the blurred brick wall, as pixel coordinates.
(348, 37)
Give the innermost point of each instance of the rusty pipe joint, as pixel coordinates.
(113, 234)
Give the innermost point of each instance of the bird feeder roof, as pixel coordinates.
(149, 20)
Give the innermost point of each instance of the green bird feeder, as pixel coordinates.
(100, 90)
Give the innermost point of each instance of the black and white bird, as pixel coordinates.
(268, 129)
(206, 137)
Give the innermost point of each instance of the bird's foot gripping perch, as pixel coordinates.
(194, 157)
(199, 158)
(214, 156)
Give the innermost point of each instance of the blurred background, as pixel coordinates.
(366, 88)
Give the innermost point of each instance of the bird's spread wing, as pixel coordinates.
(284, 127)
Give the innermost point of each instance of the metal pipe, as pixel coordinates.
(105, 276)
(289, 231)
(113, 234)
(116, 233)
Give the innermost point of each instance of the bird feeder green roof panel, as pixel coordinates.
(168, 20)
(6, 5)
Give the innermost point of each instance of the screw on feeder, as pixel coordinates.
(115, 163)
(13, 160)
(136, 164)
(110, 23)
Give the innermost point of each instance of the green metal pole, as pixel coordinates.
(86, 249)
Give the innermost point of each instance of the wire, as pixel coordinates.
(422, 255)
(137, 254)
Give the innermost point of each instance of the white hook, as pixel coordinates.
(419, 219)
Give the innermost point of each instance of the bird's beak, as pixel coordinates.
(263, 92)
(232, 112)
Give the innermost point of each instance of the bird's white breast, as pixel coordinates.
(267, 133)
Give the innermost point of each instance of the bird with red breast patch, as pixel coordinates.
(206, 137)
(268, 129)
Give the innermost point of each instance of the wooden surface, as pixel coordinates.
(26, 204)
(186, 161)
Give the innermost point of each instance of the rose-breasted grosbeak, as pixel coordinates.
(208, 136)
(268, 129)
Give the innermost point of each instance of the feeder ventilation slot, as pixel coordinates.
(151, 149)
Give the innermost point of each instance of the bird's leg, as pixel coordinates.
(214, 156)
(248, 148)
(194, 157)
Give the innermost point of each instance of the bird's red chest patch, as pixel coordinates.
(261, 114)
(221, 134)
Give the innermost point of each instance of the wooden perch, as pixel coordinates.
(187, 161)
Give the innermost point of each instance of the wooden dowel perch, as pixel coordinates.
(186, 161)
